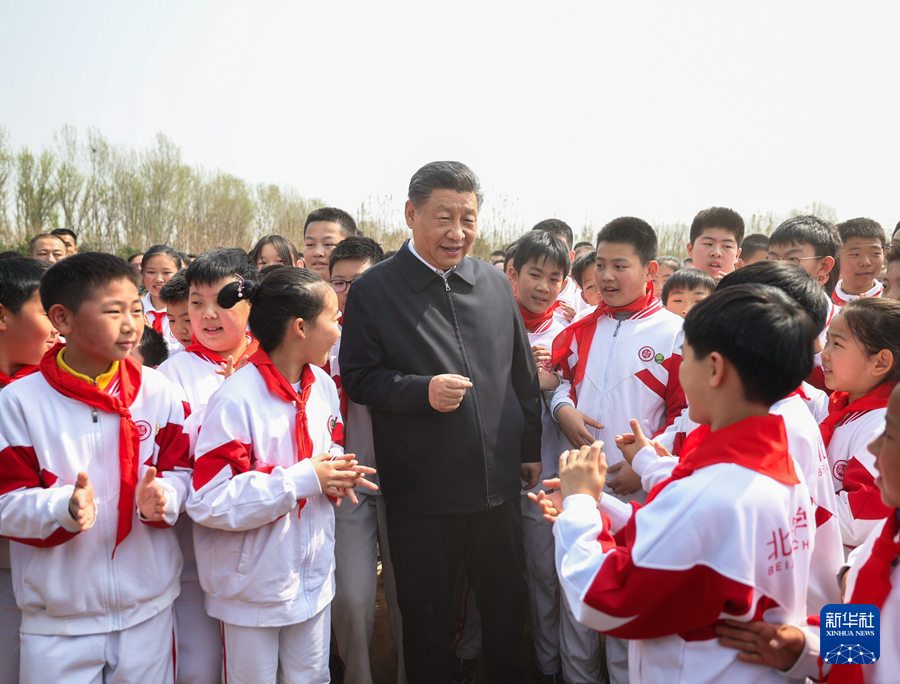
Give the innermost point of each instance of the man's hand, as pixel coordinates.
(573, 422)
(151, 497)
(583, 471)
(763, 643)
(81, 503)
(446, 392)
(626, 480)
(531, 473)
(567, 311)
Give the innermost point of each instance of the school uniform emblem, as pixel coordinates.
(646, 353)
(336, 430)
(839, 468)
(659, 358)
(143, 428)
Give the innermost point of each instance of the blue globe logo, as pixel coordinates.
(849, 655)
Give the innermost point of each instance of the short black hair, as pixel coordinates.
(540, 246)
(11, 254)
(891, 254)
(861, 228)
(166, 251)
(285, 248)
(510, 254)
(263, 272)
(134, 256)
(73, 280)
(631, 231)
(790, 279)
(808, 230)
(153, 347)
(672, 262)
(19, 278)
(753, 243)
(223, 262)
(176, 290)
(581, 263)
(582, 245)
(718, 217)
(283, 295)
(558, 228)
(688, 279)
(443, 175)
(356, 247)
(761, 331)
(40, 236)
(334, 215)
(65, 231)
(498, 252)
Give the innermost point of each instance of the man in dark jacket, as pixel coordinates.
(433, 342)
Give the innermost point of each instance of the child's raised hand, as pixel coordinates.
(229, 367)
(630, 443)
(583, 471)
(81, 503)
(151, 497)
(542, 356)
(573, 424)
(567, 311)
(338, 476)
(551, 503)
(626, 480)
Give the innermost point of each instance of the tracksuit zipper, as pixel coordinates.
(609, 358)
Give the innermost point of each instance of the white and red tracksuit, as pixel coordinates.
(839, 297)
(160, 323)
(70, 583)
(265, 535)
(727, 537)
(848, 431)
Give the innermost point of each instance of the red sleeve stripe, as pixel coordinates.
(209, 465)
(19, 469)
(646, 377)
(174, 448)
(862, 493)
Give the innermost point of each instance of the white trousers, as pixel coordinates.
(143, 653)
(199, 638)
(357, 530)
(10, 619)
(292, 654)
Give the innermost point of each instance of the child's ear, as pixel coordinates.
(5, 313)
(717, 368)
(61, 318)
(882, 362)
(652, 270)
(690, 250)
(298, 328)
(825, 265)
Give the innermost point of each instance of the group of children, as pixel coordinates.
(169, 521)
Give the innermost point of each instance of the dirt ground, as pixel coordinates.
(384, 654)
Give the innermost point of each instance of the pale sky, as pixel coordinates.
(577, 110)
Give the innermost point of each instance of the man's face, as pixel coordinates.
(861, 260)
(71, 247)
(619, 274)
(444, 227)
(344, 272)
(50, 249)
(715, 251)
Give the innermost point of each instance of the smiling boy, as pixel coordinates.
(716, 235)
(90, 486)
(862, 258)
(323, 230)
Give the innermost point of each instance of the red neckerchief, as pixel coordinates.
(281, 388)
(129, 436)
(18, 375)
(838, 408)
(215, 357)
(873, 584)
(758, 443)
(158, 317)
(878, 288)
(533, 321)
(582, 331)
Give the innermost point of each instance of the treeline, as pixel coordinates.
(123, 200)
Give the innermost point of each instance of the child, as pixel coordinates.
(359, 531)
(221, 346)
(892, 273)
(275, 249)
(270, 445)
(620, 361)
(152, 349)
(754, 248)
(716, 235)
(729, 532)
(25, 334)
(862, 257)
(873, 578)
(571, 303)
(90, 486)
(323, 230)
(860, 362)
(685, 288)
(583, 275)
(668, 266)
(175, 295)
(582, 248)
(160, 263)
(47, 247)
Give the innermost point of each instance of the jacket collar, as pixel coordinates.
(418, 275)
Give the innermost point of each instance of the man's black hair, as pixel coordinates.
(75, 279)
(176, 290)
(334, 215)
(631, 231)
(761, 331)
(443, 175)
(19, 278)
(498, 253)
(65, 231)
(356, 247)
(223, 262)
(718, 217)
(754, 243)
(861, 228)
(153, 347)
(581, 263)
(808, 230)
(558, 228)
(39, 236)
(540, 246)
(688, 279)
(790, 279)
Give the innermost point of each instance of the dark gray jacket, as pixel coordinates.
(403, 325)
